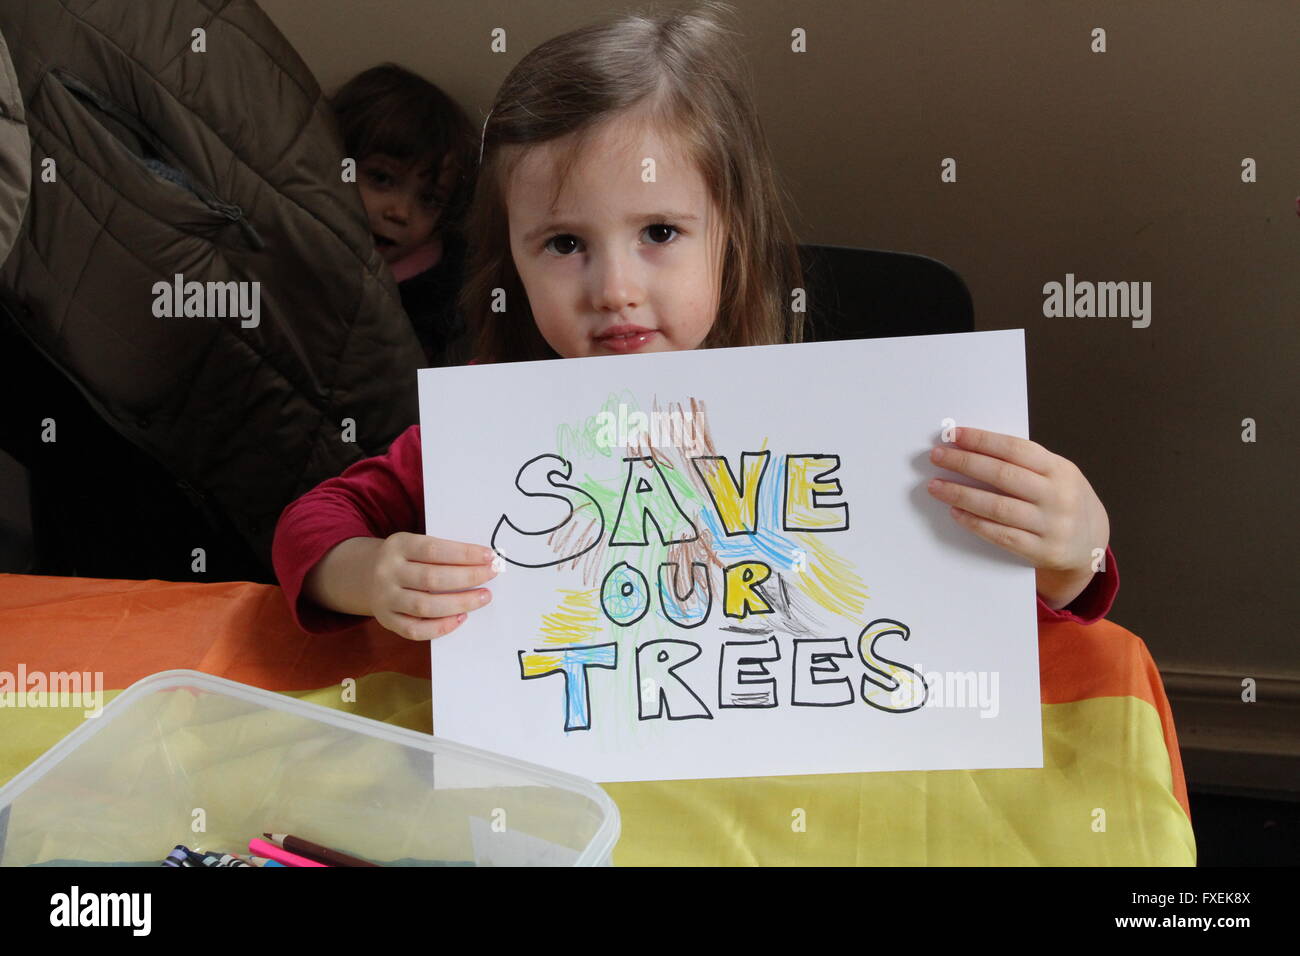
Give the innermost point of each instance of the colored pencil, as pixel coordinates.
(314, 851)
(262, 848)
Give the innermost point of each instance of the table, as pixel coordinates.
(1111, 791)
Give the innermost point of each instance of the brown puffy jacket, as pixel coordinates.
(221, 165)
(15, 154)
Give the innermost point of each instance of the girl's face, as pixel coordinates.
(620, 264)
(403, 201)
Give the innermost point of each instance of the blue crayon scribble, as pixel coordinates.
(573, 663)
(625, 594)
(772, 547)
(681, 614)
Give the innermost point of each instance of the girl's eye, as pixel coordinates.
(657, 231)
(560, 244)
(379, 177)
(660, 234)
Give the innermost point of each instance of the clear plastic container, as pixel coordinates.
(184, 757)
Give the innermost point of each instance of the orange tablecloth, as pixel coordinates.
(1111, 790)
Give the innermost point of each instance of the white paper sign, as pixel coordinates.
(724, 563)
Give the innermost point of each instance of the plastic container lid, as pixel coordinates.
(185, 757)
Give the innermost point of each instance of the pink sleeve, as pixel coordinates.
(373, 498)
(1095, 601)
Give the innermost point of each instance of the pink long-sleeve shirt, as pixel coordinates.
(383, 495)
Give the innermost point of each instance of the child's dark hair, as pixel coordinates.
(681, 71)
(388, 109)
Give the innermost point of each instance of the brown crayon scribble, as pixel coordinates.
(583, 534)
(578, 535)
(697, 441)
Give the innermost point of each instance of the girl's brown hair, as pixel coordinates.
(681, 71)
(388, 109)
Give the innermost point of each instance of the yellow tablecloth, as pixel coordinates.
(1111, 791)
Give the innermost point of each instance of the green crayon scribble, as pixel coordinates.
(579, 439)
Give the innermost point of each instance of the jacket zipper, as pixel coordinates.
(229, 210)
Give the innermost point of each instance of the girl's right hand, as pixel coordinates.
(412, 575)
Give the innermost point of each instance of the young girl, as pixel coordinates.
(415, 152)
(598, 258)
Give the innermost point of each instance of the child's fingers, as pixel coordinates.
(1015, 540)
(419, 604)
(442, 577)
(1007, 476)
(419, 629)
(430, 550)
(1018, 451)
(997, 508)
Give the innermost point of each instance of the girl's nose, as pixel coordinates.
(398, 209)
(618, 285)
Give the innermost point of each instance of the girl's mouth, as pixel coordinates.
(383, 242)
(626, 338)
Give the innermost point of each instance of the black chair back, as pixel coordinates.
(870, 293)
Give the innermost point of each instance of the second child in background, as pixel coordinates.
(415, 153)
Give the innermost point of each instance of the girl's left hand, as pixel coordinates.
(1049, 515)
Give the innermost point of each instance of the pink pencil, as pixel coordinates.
(262, 848)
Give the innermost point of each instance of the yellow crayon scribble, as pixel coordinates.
(829, 579)
(534, 664)
(738, 512)
(803, 482)
(575, 620)
(740, 595)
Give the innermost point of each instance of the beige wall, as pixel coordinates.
(1116, 166)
